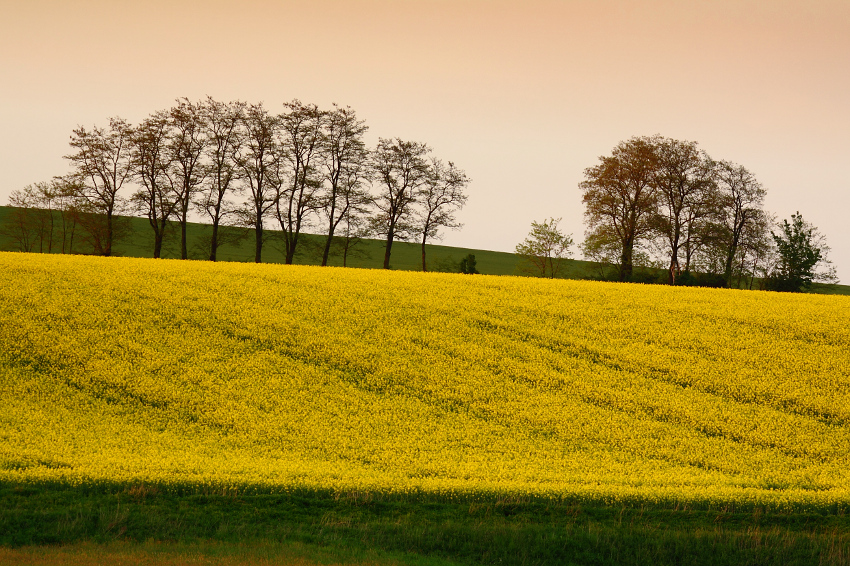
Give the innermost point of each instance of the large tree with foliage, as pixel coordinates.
(620, 196)
(741, 197)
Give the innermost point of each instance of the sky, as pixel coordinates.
(522, 95)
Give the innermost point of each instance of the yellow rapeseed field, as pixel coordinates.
(272, 378)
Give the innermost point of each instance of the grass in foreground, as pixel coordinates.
(205, 553)
(118, 523)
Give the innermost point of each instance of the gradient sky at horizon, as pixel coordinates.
(522, 95)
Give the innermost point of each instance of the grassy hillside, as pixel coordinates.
(369, 254)
(406, 255)
(455, 416)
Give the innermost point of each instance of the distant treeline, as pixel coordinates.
(665, 203)
(654, 204)
(238, 164)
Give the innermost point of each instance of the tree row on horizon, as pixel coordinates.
(653, 202)
(239, 164)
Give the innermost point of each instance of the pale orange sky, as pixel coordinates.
(522, 95)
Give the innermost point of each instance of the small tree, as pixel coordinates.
(800, 249)
(544, 250)
(467, 265)
(601, 247)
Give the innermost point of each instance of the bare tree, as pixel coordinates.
(351, 234)
(442, 195)
(345, 157)
(44, 216)
(101, 159)
(257, 157)
(544, 249)
(152, 167)
(187, 145)
(621, 196)
(223, 129)
(297, 176)
(755, 250)
(685, 189)
(741, 197)
(400, 169)
(29, 224)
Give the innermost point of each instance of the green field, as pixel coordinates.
(406, 255)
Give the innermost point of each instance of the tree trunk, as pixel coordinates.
(674, 268)
(626, 261)
(290, 253)
(184, 253)
(214, 242)
(327, 252)
(388, 250)
(331, 229)
(157, 245)
(258, 243)
(109, 233)
(424, 265)
(674, 260)
(730, 257)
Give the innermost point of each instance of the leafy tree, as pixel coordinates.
(603, 249)
(621, 197)
(544, 250)
(741, 197)
(685, 192)
(800, 249)
(756, 251)
(467, 265)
